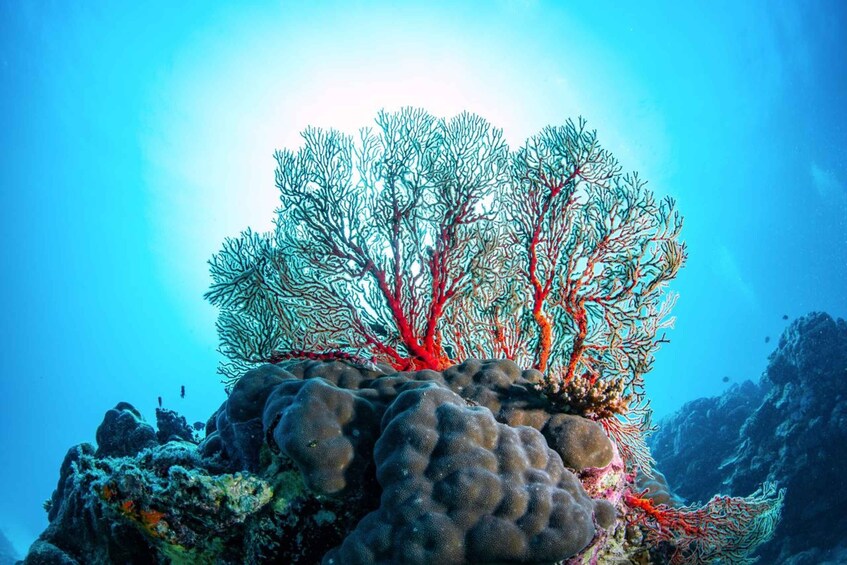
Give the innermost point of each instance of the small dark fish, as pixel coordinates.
(725, 379)
(767, 339)
(182, 391)
(160, 402)
(199, 425)
(785, 316)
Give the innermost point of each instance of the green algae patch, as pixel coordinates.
(288, 486)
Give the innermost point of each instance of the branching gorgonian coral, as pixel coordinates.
(426, 241)
(724, 530)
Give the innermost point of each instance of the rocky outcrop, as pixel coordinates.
(791, 428)
(311, 461)
(696, 446)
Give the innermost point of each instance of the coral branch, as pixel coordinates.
(725, 528)
(427, 241)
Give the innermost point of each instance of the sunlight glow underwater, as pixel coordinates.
(159, 127)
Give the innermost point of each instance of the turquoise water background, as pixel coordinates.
(134, 139)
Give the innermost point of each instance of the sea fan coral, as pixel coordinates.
(426, 241)
(726, 528)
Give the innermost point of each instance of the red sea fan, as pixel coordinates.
(726, 528)
(426, 241)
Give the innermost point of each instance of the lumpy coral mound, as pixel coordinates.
(456, 485)
(309, 461)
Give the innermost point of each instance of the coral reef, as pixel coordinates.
(311, 461)
(437, 356)
(790, 428)
(698, 464)
(325, 453)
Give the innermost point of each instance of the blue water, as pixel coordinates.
(133, 140)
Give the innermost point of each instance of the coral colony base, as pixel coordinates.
(436, 357)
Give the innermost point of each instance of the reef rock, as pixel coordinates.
(124, 432)
(311, 461)
(696, 446)
(791, 428)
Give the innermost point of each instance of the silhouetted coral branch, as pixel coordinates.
(425, 241)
